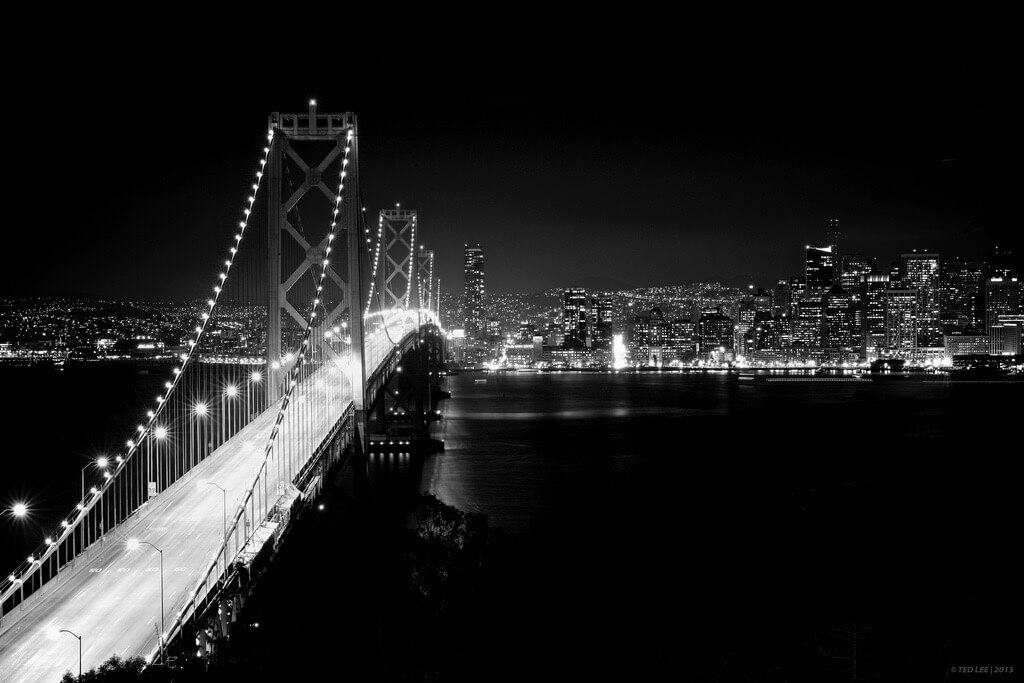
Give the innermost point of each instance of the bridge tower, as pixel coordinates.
(397, 277)
(305, 161)
(425, 279)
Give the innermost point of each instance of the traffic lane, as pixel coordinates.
(124, 611)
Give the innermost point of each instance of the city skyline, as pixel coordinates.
(712, 180)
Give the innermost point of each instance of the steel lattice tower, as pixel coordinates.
(398, 274)
(322, 137)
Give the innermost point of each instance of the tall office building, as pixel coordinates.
(1002, 298)
(921, 272)
(1001, 263)
(715, 331)
(834, 235)
(683, 339)
(873, 302)
(650, 335)
(838, 330)
(901, 323)
(575, 310)
(961, 301)
(781, 298)
(819, 270)
(473, 305)
(807, 325)
(601, 323)
(853, 267)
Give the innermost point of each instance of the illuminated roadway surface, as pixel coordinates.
(112, 598)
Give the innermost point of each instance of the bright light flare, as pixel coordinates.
(19, 509)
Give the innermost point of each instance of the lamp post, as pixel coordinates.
(199, 447)
(64, 630)
(224, 536)
(133, 544)
(225, 497)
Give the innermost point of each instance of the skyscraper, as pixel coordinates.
(838, 322)
(960, 297)
(853, 267)
(901, 320)
(574, 317)
(873, 301)
(474, 293)
(1002, 298)
(601, 323)
(921, 272)
(819, 270)
(834, 235)
(715, 330)
(808, 316)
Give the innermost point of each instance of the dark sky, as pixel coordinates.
(668, 157)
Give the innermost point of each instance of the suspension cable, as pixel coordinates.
(151, 426)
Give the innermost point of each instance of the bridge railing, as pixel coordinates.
(254, 510)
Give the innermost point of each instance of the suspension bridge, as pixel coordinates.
(313, 323)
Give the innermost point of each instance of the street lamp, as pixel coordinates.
(19, 509)
(225, 497)
(64, 630)
(133, 544)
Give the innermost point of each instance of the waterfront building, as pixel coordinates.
(1005, 335)
(1002, 297)
(965, 344)
(683, 340)
(715, 330)
(873, 325)
(838, 329)
(920, 271)
(901, 324)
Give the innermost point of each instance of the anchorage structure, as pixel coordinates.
(312, 142)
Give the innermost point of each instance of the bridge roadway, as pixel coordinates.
(112, 598)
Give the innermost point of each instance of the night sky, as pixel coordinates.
(660, 160)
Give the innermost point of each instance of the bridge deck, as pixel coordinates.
(112, 598)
